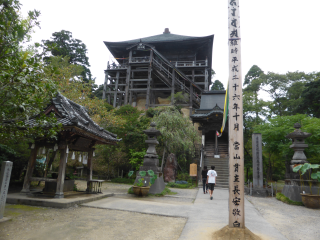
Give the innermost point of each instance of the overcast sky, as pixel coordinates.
(277, 35)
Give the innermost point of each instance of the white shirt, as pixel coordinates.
(212, 176)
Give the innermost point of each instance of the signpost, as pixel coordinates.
(236, 155)
(5, 174)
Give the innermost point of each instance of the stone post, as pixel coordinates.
(257, 160)
(5, 174)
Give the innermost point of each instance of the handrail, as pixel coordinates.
(179, 83)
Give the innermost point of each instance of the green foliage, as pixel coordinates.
(217, 85)
(310, 103)
(62, 44)
(142, 173)
(284, 199)
(123, 180)
(136, 159)
(308, 168)
(276, 147)
(24, 89)
(176, 185)
(178, 133)
(130, 173)
(253, 73)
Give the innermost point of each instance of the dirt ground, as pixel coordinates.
(38, 223)
(86, 223)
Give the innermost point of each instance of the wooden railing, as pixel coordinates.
(199, 63)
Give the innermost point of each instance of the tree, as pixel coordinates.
(310, 103)
(217, 85)
(276, 146)
(253, 73)
(62, 44)
(178, 134)
(24, 89)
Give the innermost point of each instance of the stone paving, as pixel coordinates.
(204, 216)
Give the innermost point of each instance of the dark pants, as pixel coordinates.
(211, 186)
(205, 186)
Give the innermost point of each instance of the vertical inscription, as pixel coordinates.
(5, 174)
(236, 174)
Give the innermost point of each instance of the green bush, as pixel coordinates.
(123, 180)
(176, 185)
(284, 199)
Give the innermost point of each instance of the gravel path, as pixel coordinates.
(294, 222)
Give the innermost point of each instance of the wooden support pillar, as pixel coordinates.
(131, 86)
(31, 164)
(127, 85)
(191, 94)
(148, 88)
(115, 90)
(206, 82)
(89, 170)
(216, 150)
(61, 173)
(105, 85)
(172, 87)
(53, 156)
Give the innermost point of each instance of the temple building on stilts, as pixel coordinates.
(149, 71)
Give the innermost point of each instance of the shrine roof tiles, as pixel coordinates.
(73, 114)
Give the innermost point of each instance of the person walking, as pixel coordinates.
(211, 180)
(204, 179)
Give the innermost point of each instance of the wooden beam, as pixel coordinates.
(191, 94)
(105, 85)
(139, 80)
(131, 86)
(61, 173)
(115, 92)
(172, 86)
(206, 83)
(127, 85)
(148, 88)
(38, 179)
(31, 164)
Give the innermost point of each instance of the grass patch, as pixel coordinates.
(176, 185)
(123, 180)
(284, 199)
(166, 191)
(130, 190)
(23, 207)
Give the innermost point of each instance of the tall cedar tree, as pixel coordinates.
(62, 44)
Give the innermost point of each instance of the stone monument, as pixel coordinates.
(292, 188)
(257, 166)
(151, 161)
(170, 169)
(5, 174)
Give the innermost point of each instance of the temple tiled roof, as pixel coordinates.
(212, 102)
(71, 114)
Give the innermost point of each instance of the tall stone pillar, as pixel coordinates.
(257, 160)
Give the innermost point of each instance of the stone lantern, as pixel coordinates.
(151, 160)
(293, 187)
(298, 145)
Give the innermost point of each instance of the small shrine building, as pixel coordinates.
(79, 133)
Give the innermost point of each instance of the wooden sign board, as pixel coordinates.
(236, 150)
(193, 170)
